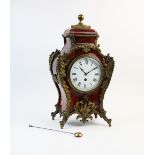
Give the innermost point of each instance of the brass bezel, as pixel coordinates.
(101, 77)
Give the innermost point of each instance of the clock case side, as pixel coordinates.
(53, 69)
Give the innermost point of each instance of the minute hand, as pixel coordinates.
(91, 70)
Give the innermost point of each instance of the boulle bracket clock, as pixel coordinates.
(81, 74)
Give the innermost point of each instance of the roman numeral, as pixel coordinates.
(73, 73)
(84, 85)
(97, 74)
(75, 79)
(95, 80)
(79, 84)
(95, 68)
(92, 63)
(86, 61)
(80, 63)
(76, 67)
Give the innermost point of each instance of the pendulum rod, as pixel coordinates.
(76, 134)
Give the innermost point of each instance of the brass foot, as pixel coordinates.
(62, 123)
(102, 114)
(95, 114)
(64, 119)
(109, 122)
(53, 114)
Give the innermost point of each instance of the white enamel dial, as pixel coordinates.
(85, 74)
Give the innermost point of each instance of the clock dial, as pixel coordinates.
(85, 74)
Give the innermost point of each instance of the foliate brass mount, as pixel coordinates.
(63, 62)
(80, 25)
(85, 109)
(86, 48)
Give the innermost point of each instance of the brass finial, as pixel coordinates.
(80, 18)
(80, 25)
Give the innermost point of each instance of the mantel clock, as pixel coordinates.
(81, 74)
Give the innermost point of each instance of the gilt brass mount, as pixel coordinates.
(85, 109)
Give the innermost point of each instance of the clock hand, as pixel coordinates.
(91, 70)
(83, 71)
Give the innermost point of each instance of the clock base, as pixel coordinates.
(84, 109)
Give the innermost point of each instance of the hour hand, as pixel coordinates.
(83, 71)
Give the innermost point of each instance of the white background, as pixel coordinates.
(36, 28)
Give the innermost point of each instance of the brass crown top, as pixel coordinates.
(80, 25)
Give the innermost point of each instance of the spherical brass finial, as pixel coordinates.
(80, 17)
